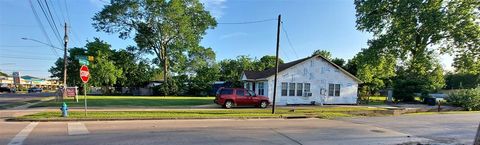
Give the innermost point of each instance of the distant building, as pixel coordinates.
(30, 81)
(311, 80)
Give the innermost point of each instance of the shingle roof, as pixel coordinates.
(269, 72)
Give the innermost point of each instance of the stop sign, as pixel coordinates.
(84, 74)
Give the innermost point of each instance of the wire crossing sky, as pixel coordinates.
(245, 27)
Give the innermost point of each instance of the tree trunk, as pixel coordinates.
(165, 69)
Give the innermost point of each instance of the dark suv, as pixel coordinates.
(229, 97)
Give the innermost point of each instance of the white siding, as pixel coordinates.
(319, 74)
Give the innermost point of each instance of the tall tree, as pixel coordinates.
(323, 53)
(266, 62)
(339, 61)
(73, 67)
(415, 31)
(103, 69)
(166, 27)
(375, 73)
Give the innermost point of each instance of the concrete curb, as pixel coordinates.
(173, 118)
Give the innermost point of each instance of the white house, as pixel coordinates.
(311, 80)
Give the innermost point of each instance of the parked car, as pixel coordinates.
(34, 90)
(5, 90)
(230, 97)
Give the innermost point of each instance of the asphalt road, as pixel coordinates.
(9, 98)
(450, 129)
(443, 128)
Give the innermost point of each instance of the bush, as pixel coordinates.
(469, 99)
(167, 88)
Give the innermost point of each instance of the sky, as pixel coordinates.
(308, 25)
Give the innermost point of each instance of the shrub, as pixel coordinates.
(469, 99)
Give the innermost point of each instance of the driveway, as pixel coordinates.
(441, 128)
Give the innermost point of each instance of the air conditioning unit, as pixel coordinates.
(307, 94)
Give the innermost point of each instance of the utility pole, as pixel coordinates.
(276, 64)
(65, 38)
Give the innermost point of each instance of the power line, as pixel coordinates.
(289, 42)
(61, 10)
(53, 21)
(66, 9)
(19, 46)
(55, 32)
(247, 22)
(29, 58)
(285, 54)
(41, 27)
(55, 13)
(77, 38)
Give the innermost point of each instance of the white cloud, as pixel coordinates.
(236, 34)
(215, 7)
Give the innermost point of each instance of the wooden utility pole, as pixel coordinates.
(276, 64)
(65, 38)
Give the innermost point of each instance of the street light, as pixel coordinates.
(42, 43)
(64, 59)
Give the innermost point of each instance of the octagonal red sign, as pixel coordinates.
(84, 73)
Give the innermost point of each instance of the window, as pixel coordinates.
(337, 89)
(299, 89)
(250, 93)
(307, 89)
(240, 92)
(261, 89)
(248, 85)
(226, 91)
(333, 89)
(284, 89)
(291, 90)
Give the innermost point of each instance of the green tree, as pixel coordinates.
(266, 62)
(414, 31)
(166, 28)
(204, 70)
(339, 61)
(467, 62)
(462, 81)
(136, 71)
(323, 53)
(103, 70)
(3, 74)
(374, 69)
(73, 67)
(231, 69)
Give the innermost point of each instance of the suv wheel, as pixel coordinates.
(228, 104)
(263, 104)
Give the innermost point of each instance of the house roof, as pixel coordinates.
(281, 67)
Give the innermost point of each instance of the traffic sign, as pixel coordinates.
(83, 62)
(84, 73)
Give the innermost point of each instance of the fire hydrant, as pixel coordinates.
(64, 109)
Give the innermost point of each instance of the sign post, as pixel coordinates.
(16, 80)
(84, 75)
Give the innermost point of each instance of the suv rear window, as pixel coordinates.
(226, 91)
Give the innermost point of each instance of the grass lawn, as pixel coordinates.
(319, 112)
(126, 101)
(381, 100)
